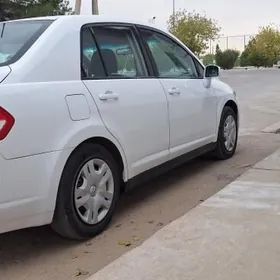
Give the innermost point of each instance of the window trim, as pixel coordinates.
(81, 54)
(179, 44)
(143, 56)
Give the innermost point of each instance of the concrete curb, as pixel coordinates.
(274, 128)
(232, 235)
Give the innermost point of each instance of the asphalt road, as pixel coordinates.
(42, 255)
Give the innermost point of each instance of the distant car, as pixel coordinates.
(90, 106)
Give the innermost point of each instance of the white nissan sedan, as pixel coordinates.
(91, 105)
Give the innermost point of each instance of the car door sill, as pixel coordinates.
(167, 166)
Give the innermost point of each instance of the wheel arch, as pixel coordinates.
(226, 102)
(110, 146)
(59, 163)
(232, 104)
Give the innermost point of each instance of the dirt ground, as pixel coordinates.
(42, 255)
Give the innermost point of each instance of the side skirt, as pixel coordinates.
(167, 166)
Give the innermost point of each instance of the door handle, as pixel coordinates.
(174, 91)
(108, 95)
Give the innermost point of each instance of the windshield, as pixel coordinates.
(17, 37)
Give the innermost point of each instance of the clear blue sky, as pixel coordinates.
(236, 17)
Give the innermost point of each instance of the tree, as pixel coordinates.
(14, 9)
(268, 43)
(226, 59)
(9, 10)
(47, 8)
(218, 48)
(263, 49)
(208, 59)
(193, 29)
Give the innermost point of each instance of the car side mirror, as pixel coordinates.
(211, 71)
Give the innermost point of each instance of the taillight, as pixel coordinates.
(7, 121)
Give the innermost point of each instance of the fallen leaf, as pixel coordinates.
(74, 257)
(125, 243)
(80, 272)
(151, 222)
(118, 225)
(160, 224)
(136, 238)
(87, 252)
(88, 243)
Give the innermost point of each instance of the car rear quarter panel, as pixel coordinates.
(42, 120)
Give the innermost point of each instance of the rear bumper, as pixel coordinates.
(28, 188)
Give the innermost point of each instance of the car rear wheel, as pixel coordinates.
(227, 135)
(88, 193)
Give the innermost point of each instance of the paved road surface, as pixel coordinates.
(42, 255)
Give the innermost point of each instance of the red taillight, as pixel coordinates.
(6, 123)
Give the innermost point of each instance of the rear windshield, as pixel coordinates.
(16, 37)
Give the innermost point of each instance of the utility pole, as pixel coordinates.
(95, 10)
(94, 7)
(174, 8)
(78, 7)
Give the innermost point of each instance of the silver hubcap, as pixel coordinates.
(230, 133)
(94, 191)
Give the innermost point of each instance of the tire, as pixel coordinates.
(72, 220)
(221, 151)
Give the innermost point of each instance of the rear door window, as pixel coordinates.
(16, 37)
(120, 52)
(91, 63)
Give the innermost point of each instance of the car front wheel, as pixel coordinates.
(227, 135)
(88, 193)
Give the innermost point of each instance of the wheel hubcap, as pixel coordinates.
(94, 191)
(230, 132)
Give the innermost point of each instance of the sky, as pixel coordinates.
(236, 17)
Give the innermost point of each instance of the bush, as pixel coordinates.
(208, 59)
(255, 58)
(245, 59)
(226, 59)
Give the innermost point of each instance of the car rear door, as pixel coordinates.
(132, 104)
(192, 106)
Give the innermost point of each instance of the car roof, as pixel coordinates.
(83, 19)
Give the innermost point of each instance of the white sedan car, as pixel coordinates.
(89, 106)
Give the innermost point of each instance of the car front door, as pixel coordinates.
(192, 105)
(132, 105)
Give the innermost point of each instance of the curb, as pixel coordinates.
(274, 128)
(234, 233)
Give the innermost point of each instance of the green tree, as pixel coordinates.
(9, 10)
(193, 29)
(237, 62)
(14, 9)
(263, 49)
(208, 59)
(268, 43)
(226, 59)
(47, 8)
(218, 48)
